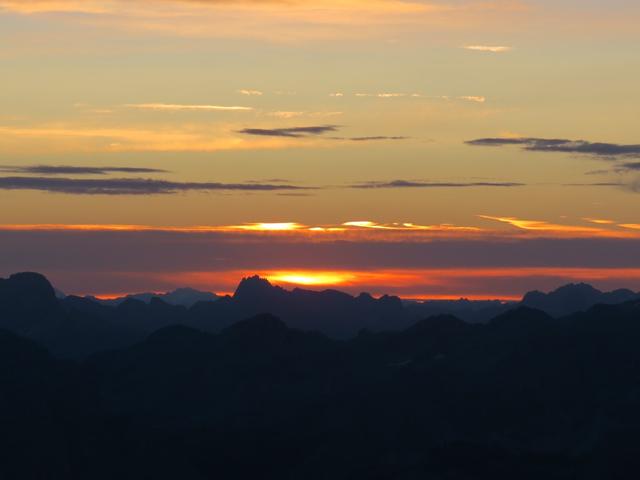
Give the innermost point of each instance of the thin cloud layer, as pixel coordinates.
(131, 186)
(291, 132)
(177, 107)
(250, 93)
(488, 48)
(76, 170)
(417, 184)
(376, 138)
(583, 147)
(415, 95)
(631, 166)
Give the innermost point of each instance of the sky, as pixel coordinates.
(445, 149)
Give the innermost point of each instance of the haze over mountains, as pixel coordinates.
(186, 297)
(523, 395)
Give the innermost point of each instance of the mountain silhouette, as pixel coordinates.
(575, 297)
(77, 327)
(186, 297)
(525, 395)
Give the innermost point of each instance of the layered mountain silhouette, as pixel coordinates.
(525, 395)
(575, 297)
(187, 297)
(76, 327)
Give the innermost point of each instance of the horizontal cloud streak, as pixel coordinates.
(177, 107)
(599, 149)
(376, 138)
(249, 92)
(291, 132)
(488, 48)
(631, 166)
(418, 184)
(130, 186)
(76, 170)
(452, 266)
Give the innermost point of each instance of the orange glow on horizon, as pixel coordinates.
(311, 278)
(363, 230)
(418, 284)
(269, 227)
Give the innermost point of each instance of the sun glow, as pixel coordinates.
(311, 278)
(270, 227)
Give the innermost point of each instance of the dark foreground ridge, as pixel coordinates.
(524, 396)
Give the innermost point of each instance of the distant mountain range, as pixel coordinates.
(76, 326)
(562, 301)
(187, 297)
(524, 395)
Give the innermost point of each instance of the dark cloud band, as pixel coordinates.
(415, 184)
(293, 132)
(376, 138)
(604, 150)
(131, 186)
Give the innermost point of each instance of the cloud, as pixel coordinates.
(603, 150)
(201, 137)
(177, 107)
(544, 226)
(488, 48)
(458, 263)
(293, 132)
(418, 184)
(131, 186)
(272, 20)
(75, 170)
(376, 138)
(250, 93)
(473, 98)
(293, 114)
(631, 166)
(468, 98)
(599, 221)
(388, 95)
(595, 184)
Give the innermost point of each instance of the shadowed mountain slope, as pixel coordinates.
(524, 396)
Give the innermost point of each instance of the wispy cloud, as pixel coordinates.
(472, 98)
(250, 93)
(488, 48)
(548, 227)
(296, 114)
(391, 95)
(131, 186)
(599, 221)
(387, 95)
(376, 138)
(419, 184)
(75, 170)
(291, 132)
(75, 138)
(598, 149)
(178, 107)
(273, 20)
(631, 166)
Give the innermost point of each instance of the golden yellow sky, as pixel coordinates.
(182, 113)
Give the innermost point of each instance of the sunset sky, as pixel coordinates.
(426, 149)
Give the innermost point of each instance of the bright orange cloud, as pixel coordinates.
(184, 138)
(554, 229)
(367, 230)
